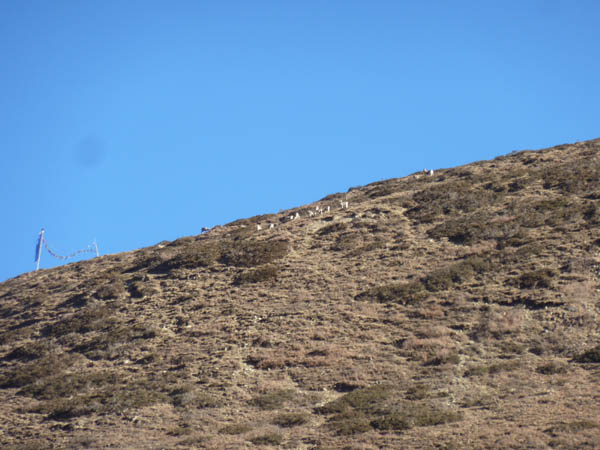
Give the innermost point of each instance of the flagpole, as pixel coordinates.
(38, 255)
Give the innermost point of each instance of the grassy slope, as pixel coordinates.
(452, 311)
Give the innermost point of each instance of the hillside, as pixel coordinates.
(454, 310)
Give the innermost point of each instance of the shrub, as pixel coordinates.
(114, 289)
(28, 351)
(364, 399)
(274, 399)
(380, 190)
(64, 396)
(107, 344)
(33, 372)
(253, 253)
(237, 428)
(89, 319)
(490, 369)
(333, 228)
(458, 232)
(267, 439)
(140, 289)
(290, 420)
(415, 414)
(200, 254)
(450, 198)
(443, 356)
(552, 368)
(536, 279)
(63, 385)
(589, 356)
(472, 228)
(444, 278)
(62, 409)
(349, 423)
(188, 396)
(418, 392)
(572, 427)
(404, 293)
(260, 274)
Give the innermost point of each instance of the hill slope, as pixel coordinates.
(458, 310)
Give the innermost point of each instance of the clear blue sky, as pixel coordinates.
(134, 122)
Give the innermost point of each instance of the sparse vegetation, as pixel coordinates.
(415, 415)
(273, 399)
(253, 253)
(237, 428)
(403, 293)
(491, 369)
(538, 279)
(572, 427)
(476, 294)
(267, 439)
(113, 343)
(589, 356)
(290, 420)
(349, 422)
(364, 399)
(257, 275)
(552, 368)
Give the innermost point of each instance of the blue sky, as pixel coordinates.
(141, 121)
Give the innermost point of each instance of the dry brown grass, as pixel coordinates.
(453, 311)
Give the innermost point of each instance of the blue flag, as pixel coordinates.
(39, 245)
(37, 248)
